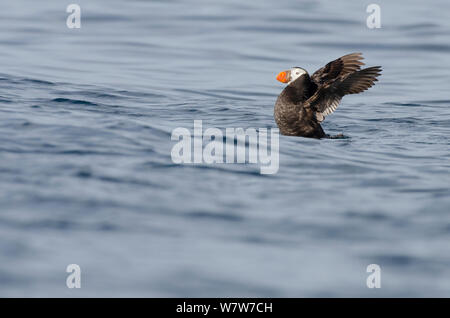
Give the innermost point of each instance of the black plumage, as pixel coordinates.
(305, 102)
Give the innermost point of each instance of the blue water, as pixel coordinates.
(86, 175)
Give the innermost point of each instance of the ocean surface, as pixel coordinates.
(86, 175)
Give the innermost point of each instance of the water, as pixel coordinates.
(86, 175)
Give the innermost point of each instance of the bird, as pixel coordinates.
(307, 100)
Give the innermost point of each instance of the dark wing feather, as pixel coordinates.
(326, 99)
(342, 66)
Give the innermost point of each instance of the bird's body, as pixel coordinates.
(307, 100)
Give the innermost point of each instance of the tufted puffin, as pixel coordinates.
(307, 100)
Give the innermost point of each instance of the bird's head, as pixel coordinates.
(291, 75)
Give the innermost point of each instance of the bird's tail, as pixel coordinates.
(338, 136)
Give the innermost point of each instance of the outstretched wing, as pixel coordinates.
(327, 97)
(340, 67)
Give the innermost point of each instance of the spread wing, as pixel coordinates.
(327, 97)
(342, 66)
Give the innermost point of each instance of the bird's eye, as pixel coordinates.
(296, 73)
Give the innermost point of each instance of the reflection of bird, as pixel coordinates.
(307, 100)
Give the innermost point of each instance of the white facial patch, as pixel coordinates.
(296, 72)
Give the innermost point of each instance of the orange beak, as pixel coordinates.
(282, 77)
